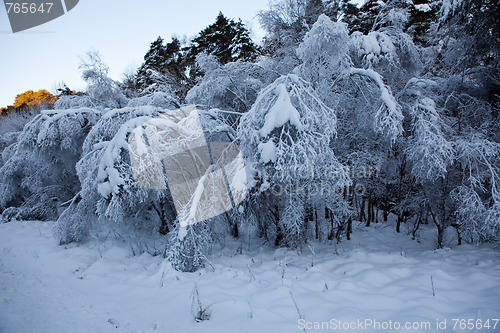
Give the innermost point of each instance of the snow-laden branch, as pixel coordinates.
(388, 118)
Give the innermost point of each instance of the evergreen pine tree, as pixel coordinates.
(368, 15)
(163, 69)
(422, 14)
(175, 68)
(350, 16)
(228, 40)
(154, 60)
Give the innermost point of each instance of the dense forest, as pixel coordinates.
(342, 113)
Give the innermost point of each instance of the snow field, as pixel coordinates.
(101, 287)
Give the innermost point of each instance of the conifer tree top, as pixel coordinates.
(227, 39)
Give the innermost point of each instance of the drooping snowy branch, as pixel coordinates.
(388, 117)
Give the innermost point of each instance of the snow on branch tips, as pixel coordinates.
(109, 178)
(280, 113)
(388, 117)
(324, 50)
(480, 157)
(430, 150)
(289, 127)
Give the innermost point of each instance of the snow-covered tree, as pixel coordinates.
(108, 190)
(285, 25)
(453, 159)
(360, 76)
(124, 187)
(324, 53)
(429, 148)
(101, 88)
(478, 199)
(327, 63)
(285, 137)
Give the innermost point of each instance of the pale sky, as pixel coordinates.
(121, 30)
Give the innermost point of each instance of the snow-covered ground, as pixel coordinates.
(377, 276)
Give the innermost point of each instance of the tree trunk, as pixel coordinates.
(164, 228)
(349, 229)
(370, 211)
(459, 236)
(316, 223)
(385, 213)
(233, 226)
(362, 211)
(398, 224)
(329, 216)
(279, 233)
(415, 227)
(439, 227)
(440, 237)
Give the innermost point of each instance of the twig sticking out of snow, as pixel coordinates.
(163, 275)
(297, 307)
(283, 265)
(252, 277)
(200, 313)
(209, 262)
(113, 322)
(250, 314)
(312, 255)
(432, 284)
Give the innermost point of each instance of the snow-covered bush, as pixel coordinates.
(41, 164)
(188, 254)
(157, 99)
(476, 222)
(44, 205)
(233, 86)
(74, 101)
